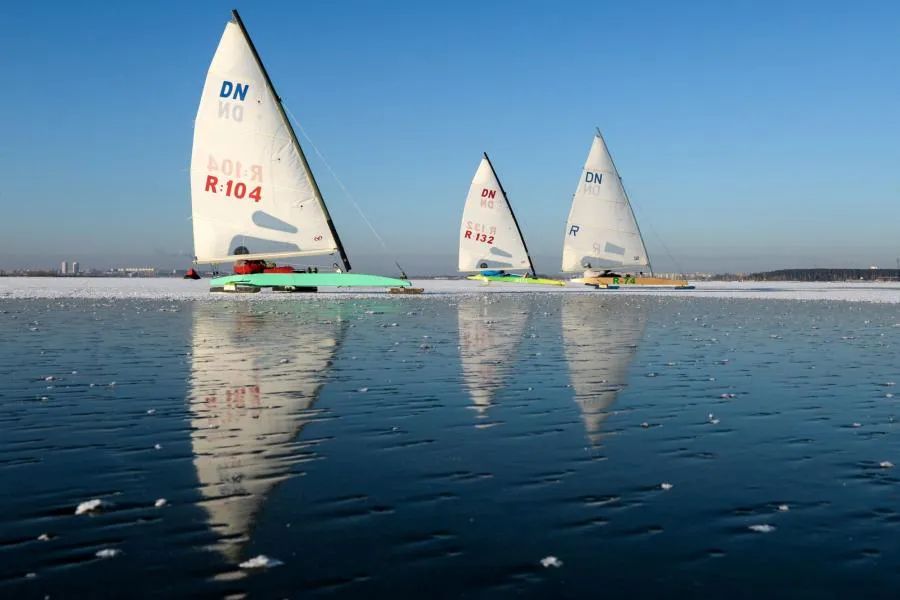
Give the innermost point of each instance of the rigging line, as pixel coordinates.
(333, 174)
(660, 240)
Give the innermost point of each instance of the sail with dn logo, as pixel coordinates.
(490, 240)
(253, 195)
(601, 231)
(602, 234)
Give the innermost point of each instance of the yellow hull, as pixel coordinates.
(636, 281)
(500, 279)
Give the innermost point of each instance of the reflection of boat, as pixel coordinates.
(252, 381)
(600, 343)
(602, 232)
(489, 335)
(490, 240)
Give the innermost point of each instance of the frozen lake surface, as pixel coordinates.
(172, 288)
(727, 441)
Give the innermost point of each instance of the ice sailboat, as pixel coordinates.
(254, 198)
(602, 239)
(490, 240)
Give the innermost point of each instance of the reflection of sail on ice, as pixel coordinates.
(248, 408)
(600, 343)
(489, 336)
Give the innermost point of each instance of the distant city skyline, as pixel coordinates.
(750, 136)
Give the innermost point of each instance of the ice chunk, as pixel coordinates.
(551, 561)
(260, 562)
(108, 553)
(160, 503)
(762, 528)
(89, 506)
(666, 486)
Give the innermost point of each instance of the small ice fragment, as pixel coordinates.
(551, 561)
(726, 395)
(49, 378)
(160, 503)
(762, 528)
(784, 507)
(645, 424)
(44, 398)
(108, 553)
(889, 395)
(713, 421)
(886, 464)
(74, 372)
(112, 384)
(31, 575)
(711, 379)
(363, 389)
(260, 562)
(92, 385)
(284, 361)
(889, 384)
(651, 374)
(44, 537)
(157, 447)
(855, 424)
(666, 486)
(150, 411)
(89, 506)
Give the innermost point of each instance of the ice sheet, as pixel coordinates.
(186, 289)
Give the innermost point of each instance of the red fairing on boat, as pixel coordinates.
(287, 269)
(246, 267)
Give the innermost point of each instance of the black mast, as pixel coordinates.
(334, 233)
(519, 229)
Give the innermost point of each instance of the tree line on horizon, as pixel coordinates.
(826, 274)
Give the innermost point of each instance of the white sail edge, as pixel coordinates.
(263, 256)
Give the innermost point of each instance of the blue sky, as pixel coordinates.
(749, 134)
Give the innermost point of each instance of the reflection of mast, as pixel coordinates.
(252, 380)
(600, 342)
(489, 336)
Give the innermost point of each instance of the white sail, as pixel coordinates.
(600, 343)
(601, 230)
(250, 184)
(489, 335)
(489, 236)
(247, 406)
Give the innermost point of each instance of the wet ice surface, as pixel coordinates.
(384, 446)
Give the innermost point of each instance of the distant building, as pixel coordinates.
(63, 268)
(75, 267)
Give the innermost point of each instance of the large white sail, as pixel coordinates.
(490, 332)
(600, 342)
(250, 184)
(489, 236)
(248, 401)
(601, 230)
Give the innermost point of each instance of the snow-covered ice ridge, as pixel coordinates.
(164, 288)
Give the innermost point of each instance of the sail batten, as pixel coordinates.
(601, 230)
(247, 167)
(489, 235)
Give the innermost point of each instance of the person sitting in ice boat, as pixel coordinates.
(246, 267)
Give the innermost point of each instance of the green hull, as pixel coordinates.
(503, 279)
(302, 281)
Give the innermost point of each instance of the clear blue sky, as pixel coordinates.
(749, 134)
